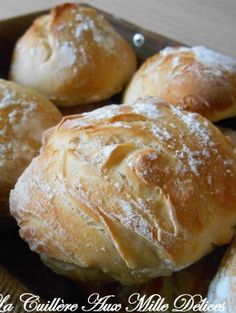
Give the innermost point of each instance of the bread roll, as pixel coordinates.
(128, 192)
(194, 79)
(223, 287)
(73, 56)
(24, 115)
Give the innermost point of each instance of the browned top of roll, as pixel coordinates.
(132, 192)
(73, 56)
(195, 79)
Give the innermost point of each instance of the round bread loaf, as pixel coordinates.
(128, 192)
(73, 56)
(194, 79)
(223, 287)
(24, 115)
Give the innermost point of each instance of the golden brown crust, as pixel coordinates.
(194, 79)
(74, 56)
(130, 192)
(24, 116)
(223, 286)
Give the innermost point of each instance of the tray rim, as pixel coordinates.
(107, 14)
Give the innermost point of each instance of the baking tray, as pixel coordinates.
(20, 269)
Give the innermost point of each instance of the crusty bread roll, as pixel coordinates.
(73, 56)
(195, 79)
(128, 192)
(24, 115)
(223, 287)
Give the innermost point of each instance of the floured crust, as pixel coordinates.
(73, 56)
(133, 192)
(194, 79)
(24, 116)
(223, 287)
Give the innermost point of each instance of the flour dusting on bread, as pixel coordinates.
(141, 193)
